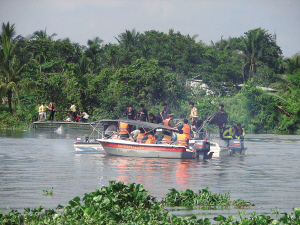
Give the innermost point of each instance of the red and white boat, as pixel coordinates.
(129, 148)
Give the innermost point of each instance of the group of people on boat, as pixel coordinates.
(42, 109)
(140, 135)
(185, 131)
(75, 117)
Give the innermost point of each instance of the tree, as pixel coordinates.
(258, 46)
(129, 38)
(10, 66)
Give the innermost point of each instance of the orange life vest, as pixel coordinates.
(124, 128)
(140, 137)
(166, 122)
(150, 140)
(182, 139)
(187, 130)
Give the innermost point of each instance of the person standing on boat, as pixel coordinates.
(181, 138)
(194, 111)
(166, 111)
(196, 124)
(43, 112)
(143, 114)
(73, 111)
(51, 107)
(239, 132)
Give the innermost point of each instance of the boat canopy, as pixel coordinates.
(140, 124)
(217, 118)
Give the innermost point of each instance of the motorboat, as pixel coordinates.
(212, 129)
(88, 146)
(114, 145)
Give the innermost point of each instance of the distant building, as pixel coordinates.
(196, 84)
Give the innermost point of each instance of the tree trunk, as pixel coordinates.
(9, 96)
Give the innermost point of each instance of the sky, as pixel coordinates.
(81, 20)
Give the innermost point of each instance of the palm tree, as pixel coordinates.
(42, 35)
(292, 65)
(93, 51)
(129, 38)
(11, 66)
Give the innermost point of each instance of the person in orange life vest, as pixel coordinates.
(169, 122)
(141, 135)
(124, 130)
(185, 127)
(149, 138)
(182, 139)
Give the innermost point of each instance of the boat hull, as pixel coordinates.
(133, 149)
(225, 148)
(88, 148)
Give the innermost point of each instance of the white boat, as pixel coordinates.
(211, 131)
(85, 146)
(129, 148)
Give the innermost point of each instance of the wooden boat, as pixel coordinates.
(129, 148)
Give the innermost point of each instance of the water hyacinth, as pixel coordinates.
(131, 204)
(202, 197)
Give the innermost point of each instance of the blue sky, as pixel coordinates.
(209, 19)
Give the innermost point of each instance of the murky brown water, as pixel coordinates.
(31, 162)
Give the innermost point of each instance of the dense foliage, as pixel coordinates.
(150, 68)
(126, 204)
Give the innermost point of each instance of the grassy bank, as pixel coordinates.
(131, 204)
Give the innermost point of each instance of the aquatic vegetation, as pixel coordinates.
(130, 204)
(202, 197)
(48, 192)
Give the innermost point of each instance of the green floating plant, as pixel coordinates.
(131, 204)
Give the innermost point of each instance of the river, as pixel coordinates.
(30, 162)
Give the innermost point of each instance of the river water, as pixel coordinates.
(30, 162)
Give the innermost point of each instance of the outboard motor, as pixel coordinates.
(201, 146)
(82, 139)
(236, 146)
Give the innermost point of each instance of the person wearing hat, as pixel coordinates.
(169, 121)
(194, 111)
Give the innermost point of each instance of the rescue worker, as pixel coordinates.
(149, 138)
(43, 112)
(166, 111)
(143, 114)
(51, 107)
(124, 130)
(169, 121)
(239, 132)
(182, 139)
(141, 135)
(185, 127)
(194, 111)
(228, 133)
(73, 112)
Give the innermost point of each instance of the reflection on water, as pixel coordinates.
(31, 162)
